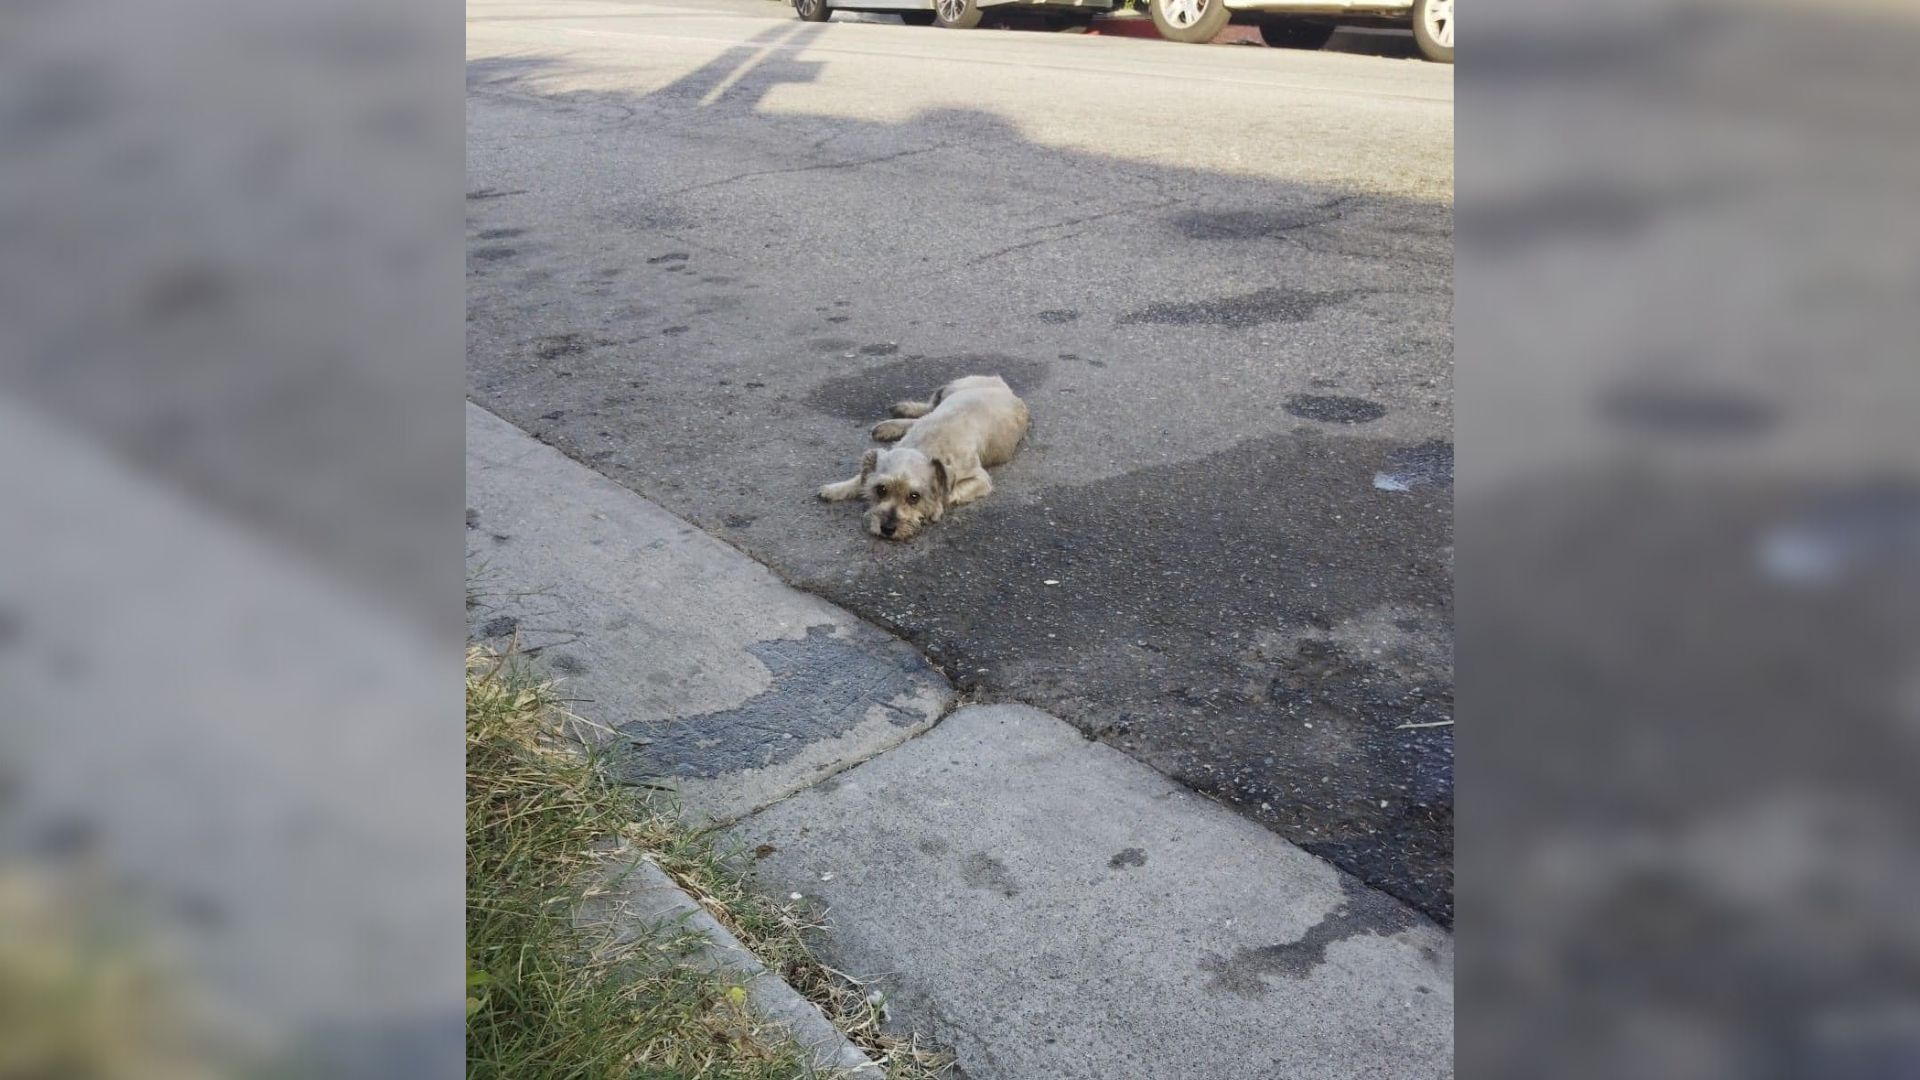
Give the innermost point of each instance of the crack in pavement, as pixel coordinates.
(826, 166)
(630, 116)
(988, 257)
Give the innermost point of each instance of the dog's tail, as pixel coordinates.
(911, 410)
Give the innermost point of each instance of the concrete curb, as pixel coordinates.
(641, 895)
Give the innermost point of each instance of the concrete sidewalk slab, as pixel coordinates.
(1052, 908)
(730, 685)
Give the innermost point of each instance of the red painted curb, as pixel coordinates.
(1124, 27)
(1236, 34)
(1140, 26)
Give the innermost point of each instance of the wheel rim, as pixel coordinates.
(1184, 13)
(951, 10)
(807, 6)
(1439, 20)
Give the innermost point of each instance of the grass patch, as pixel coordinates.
(87, 992)
(551, 1000)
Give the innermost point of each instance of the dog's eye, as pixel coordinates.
(879, 492)
(914, 497)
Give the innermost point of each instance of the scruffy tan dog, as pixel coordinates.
(945, 447)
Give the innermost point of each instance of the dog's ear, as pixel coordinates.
(942, 481)
(867, 462)
(942, 487)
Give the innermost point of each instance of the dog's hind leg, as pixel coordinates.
(891, 430)
(911, 410)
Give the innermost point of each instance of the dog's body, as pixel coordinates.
(940, 457)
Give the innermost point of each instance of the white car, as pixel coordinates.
(956, 14)
(1301, 24)
(1307, 24)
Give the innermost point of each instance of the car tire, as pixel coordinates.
(956, 14)
(812, 10)
(1294, 34)
(1194, 22)
(917, 18)
(1433, 29)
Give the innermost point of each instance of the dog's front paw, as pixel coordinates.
(891, 430)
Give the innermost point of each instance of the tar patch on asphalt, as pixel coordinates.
(1244, 310)
(1332, 409)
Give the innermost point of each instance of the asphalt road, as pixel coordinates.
(709, 243)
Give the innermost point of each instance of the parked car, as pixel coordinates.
(955, 14)
(1307, 24)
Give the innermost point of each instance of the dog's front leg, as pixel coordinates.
(891, 430)
(840, 490)
(972, 489)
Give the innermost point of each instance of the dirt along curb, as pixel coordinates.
(640, 896)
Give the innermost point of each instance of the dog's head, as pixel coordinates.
(905, 491)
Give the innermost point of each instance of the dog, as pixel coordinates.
(942, 450)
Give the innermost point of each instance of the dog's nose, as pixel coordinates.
(887, 527)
